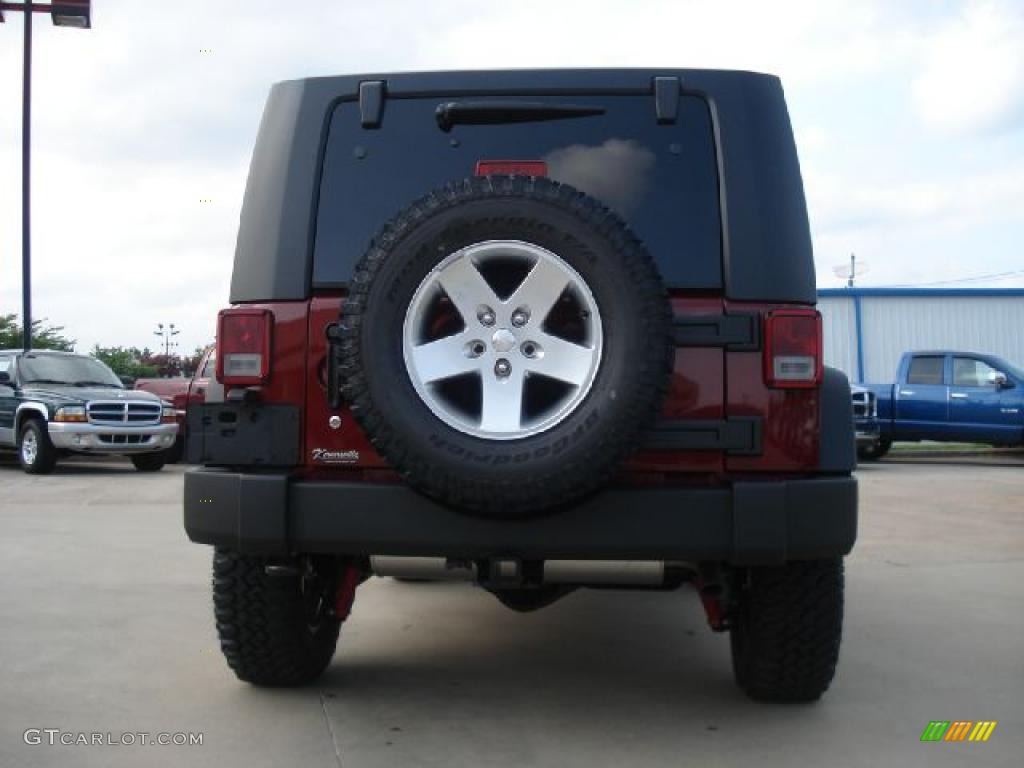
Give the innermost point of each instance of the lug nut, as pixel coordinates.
(502, 368)
(520, 317)
(529, 349)
(485, 315)
(475, 348)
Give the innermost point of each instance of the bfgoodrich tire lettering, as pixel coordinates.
(510, 477)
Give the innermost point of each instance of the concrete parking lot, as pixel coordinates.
(107, 627)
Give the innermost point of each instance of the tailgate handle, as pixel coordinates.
(736, 435)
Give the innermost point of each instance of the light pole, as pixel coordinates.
(69, 13)
(167, 334)
(851, 270)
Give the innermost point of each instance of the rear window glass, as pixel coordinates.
(661, 179)
(925, 370)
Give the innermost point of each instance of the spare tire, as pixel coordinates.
(505, 343)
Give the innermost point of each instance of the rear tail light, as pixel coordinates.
(243, 346)
(792, 348)
(512, 168)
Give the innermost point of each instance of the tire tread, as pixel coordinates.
(786, 635)
(261, 624)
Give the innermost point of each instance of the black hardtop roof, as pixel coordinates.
(766, 244)
(496, 80)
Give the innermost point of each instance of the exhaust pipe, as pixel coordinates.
(423, 568)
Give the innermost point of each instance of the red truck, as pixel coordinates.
(181, 391)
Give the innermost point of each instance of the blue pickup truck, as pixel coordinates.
(951, 397)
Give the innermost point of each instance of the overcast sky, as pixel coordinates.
(909, 119)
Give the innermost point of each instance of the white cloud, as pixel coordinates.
(920, 232)
(133, 125)
(973, 78)
(837, 204)
(801, 40)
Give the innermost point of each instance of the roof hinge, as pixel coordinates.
(371, 102)
(666, 98)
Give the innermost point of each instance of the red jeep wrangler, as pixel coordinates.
(540, 330)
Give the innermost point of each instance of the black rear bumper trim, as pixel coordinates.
(750, 522)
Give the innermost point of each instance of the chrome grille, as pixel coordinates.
(864, 405)
(124, 413)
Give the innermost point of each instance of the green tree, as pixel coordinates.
(126, 361)
(43, 336)
(189, 363)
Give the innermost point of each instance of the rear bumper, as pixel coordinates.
(745, 523)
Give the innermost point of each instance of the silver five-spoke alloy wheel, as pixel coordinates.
(29, 447)
(502, 339)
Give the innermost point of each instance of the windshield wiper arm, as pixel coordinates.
(46, 381)
(88, 383)
(453, 113)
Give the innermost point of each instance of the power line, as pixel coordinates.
(972, 279)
